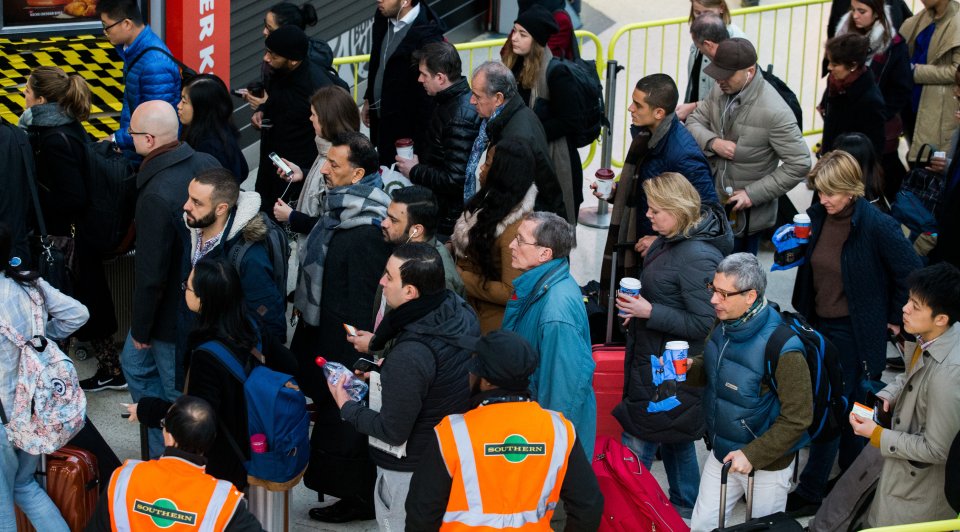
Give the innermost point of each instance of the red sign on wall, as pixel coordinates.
(198, 33)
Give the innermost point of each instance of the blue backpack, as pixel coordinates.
(276, 408)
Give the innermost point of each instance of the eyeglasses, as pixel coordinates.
(185, 287)
(106, 29)
(520, 242)
(130, 131)
(723, 293)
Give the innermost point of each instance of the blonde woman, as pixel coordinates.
(549, 90)
(674, 304)
(851, 287)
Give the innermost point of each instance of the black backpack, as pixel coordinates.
(278, 251)
(589, 104)
(321, 59)
(111, 181)
(186, 73)
(784, 91)
(826, 375)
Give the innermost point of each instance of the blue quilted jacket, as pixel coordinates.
(154, 77)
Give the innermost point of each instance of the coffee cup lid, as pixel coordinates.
(677, 345)
(604, 173)
(801, 218)
(630, 282)
(402, 143)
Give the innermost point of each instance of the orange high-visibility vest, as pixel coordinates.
(507, 462)
(171, 494)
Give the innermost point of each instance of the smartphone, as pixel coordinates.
(351, 330)
(123, 410)
(365, 365)
(278, 162)
(239, 93)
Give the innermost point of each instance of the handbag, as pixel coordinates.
(926, 185)
(55, 258)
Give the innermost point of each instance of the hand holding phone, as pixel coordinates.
(351, 330)
(365, 365)
(278, 162)
(239, 93)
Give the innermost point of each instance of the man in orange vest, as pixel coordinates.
(173, 492)
(506, 463)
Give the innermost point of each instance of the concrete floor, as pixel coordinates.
(601, 17)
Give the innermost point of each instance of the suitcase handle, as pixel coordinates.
(724, 472)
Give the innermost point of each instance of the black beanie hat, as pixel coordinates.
(539, 23)
(289, 42)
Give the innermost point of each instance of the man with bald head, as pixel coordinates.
(149, 357)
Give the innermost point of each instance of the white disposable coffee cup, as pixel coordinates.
(677, 345)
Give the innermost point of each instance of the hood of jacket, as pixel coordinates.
(713, 228)
(449, 322)
(246, 219)
(461, 231)
(536, 282)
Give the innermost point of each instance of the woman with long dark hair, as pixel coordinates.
(481, 238)
(550, 93)
(22, 292)
(859, 146)
(56, 103)
(206, 112)
(214, 292)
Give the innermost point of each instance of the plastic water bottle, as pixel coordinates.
(334, 371)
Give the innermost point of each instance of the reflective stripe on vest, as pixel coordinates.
(215, 506)
(120, 517)
(475, 516)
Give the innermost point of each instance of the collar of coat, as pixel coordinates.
(246, 218)
(946, 36)
(162, 158)
(879, 40)
(461, 231)
(946, 344)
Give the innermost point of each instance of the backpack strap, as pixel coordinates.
(225, 357)
(771, 354)
(184, 69)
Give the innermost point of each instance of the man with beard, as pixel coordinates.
(283, 114)
(529, 460)
(149, 357)
(412, 216)
(395, 105)
(219, 217)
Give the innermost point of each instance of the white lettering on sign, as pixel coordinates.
(206, 5)
(206, 59)
(206, 27)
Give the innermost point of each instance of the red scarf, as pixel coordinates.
(836, 86)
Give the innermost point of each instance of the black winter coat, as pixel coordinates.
(424, 378)
(61, 183)
(858, 109)
(15, 203)
(518, 121)
(405, 108)
(228, 154)
(351, 273)
(161, 192)
(875, 263)
(892, 72)
(674, 278)
(453, 127)
(290, 134)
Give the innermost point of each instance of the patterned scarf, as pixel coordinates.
(347, 207)
(479, 145)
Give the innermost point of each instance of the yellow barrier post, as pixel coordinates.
(932, 526)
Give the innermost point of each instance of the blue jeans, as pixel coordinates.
(19, 486)
(680, 461)
(747, 244)
(813, 479)
(151, 372)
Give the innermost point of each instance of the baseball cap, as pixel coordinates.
(504, 358)
(732, 55)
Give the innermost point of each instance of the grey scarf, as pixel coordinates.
(44, 115)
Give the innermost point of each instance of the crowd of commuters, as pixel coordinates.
(458, 288)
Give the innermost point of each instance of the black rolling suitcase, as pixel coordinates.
(779, 522)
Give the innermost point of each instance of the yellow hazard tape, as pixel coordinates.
(93, 58)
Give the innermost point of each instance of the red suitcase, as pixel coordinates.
(608, 387)
(73, 484)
